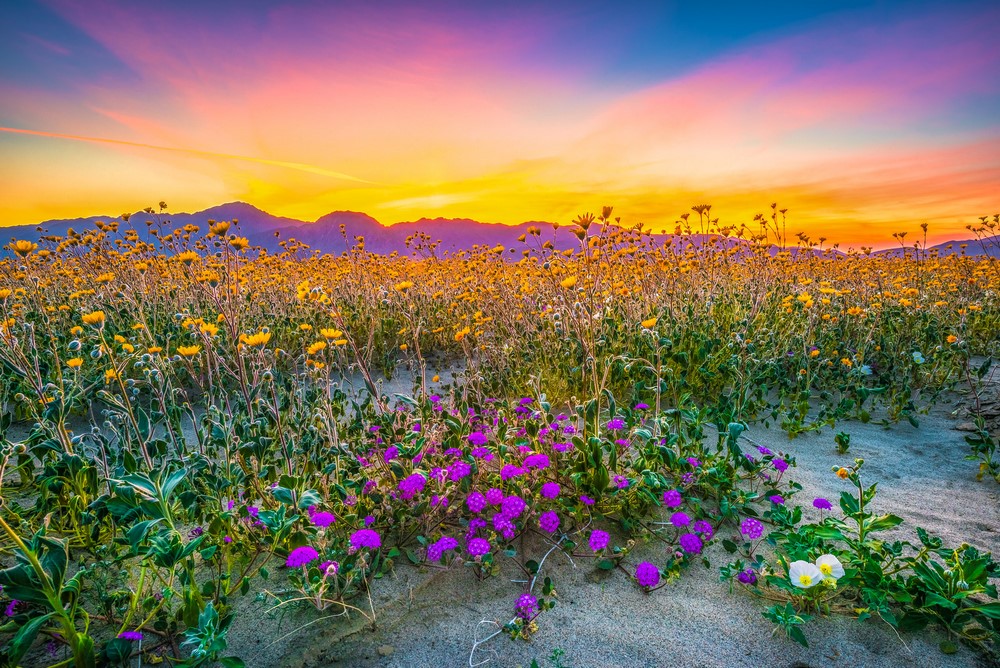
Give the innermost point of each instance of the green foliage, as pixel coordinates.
(908, 585)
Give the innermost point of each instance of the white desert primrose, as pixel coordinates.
(830, 567)
(804, 574)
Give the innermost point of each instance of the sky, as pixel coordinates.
(861, 118)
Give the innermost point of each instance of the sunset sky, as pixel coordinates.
(863, 118)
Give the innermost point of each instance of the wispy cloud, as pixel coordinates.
(285, 164)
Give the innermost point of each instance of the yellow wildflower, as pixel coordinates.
(22, 247)
(258, 340)
(95, 319)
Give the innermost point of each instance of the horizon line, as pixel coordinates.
(651, 230)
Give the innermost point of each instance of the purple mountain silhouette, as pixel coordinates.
(336, 232)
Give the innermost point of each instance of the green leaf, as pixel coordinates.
(171, 483)
(54, 558)
(284, 495)
(116, 651)
(137, 533)
(884, 522)
(991, 610)
(848, 503)
(796, 634)
(940, 601)
(21, 642)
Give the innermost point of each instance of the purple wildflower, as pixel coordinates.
(615, 424)
(512, 506)
(747, 577)
(672, 498)
(751, 528)
(822, 504)
(478, 438)
(494, 496)
(301, 556)
(549, 521)
(510, 471)
(526, 606)
(482, 453)
(690, 543)
(412, 485)
(459, 469)
(776, 499)
(647, 574)
(478, 547)
(621, 482)
(587, 501)
(781, 465)
(134, 636)
(680, 519)
(598, 540)
(704, 528)
(365, 538)
(501, 522)
(550, 490)
(476, 502)
(323, 518)
(437, 549)
(537, 461)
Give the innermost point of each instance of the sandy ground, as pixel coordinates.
(431, 618)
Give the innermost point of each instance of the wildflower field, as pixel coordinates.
(186, 421)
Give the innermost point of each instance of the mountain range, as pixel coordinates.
(325, 234)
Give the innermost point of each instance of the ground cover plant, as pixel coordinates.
(179, 430)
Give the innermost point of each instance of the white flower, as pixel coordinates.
(804, 575)
(830, 566)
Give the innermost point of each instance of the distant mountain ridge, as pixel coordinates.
(326, 235)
